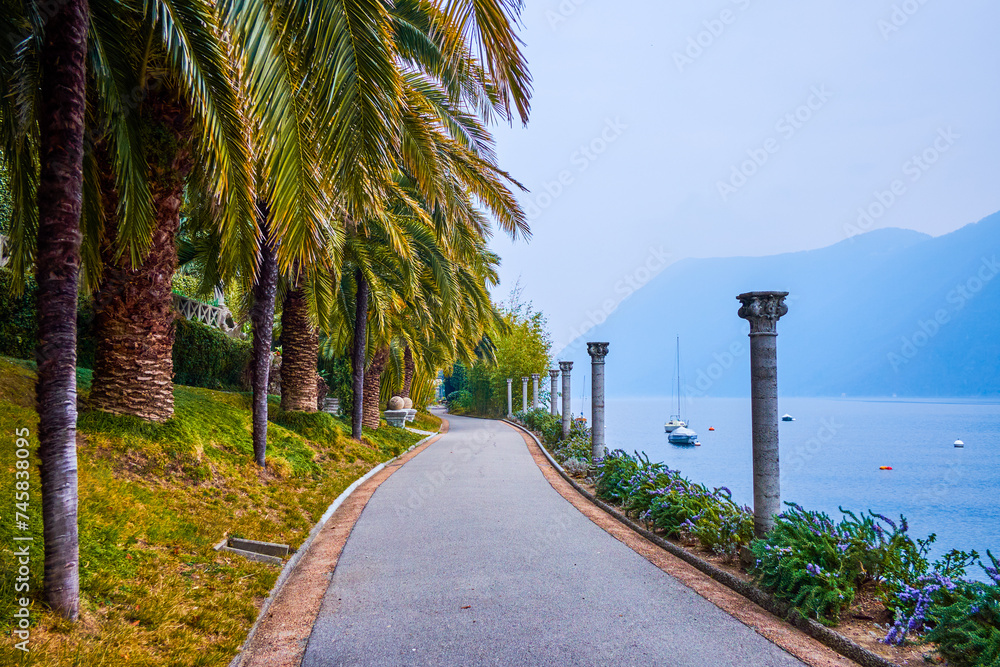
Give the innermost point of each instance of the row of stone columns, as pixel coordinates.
(762, 310)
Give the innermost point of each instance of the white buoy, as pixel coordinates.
(959, 443)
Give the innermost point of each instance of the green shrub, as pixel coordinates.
(206, 357)
(613, 481)
(459, 402)
(673, 504)
(541, 421)
(577, 446)
(17, 318)
(967, 630)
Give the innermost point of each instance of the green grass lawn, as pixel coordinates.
(425, 421)
(154, 498)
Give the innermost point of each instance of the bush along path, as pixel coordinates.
(864, 567)
(467, 555)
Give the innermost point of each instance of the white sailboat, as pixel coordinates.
(676, 428)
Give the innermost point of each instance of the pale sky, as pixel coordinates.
(741, 127)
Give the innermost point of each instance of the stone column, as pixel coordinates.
(510, 400)
(524, 394)
(534, 388)
(597, 352)
(763, 309)
(567, 406)
(553, 406)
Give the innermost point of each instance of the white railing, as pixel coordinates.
(4, 250)
(214, 316)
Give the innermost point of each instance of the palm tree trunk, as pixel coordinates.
(60, 191)
(133, 373)
(299, 354)
(265, 290)
(358, 353)
(373, 388)
(408, 370)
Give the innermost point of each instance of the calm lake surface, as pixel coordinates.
(831, 455)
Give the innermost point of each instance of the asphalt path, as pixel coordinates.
(467, 556)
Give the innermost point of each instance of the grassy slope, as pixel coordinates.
(154, 498)
(425, 421)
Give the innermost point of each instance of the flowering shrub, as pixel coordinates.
(576, 447)
(967, 628)
(810, 561)
(615, 474)
(819, 566)
(576, 467)
(674, 505)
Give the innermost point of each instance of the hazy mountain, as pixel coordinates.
(889, 312)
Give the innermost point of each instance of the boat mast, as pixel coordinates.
(678, 377)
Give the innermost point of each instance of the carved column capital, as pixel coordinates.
(597, 352)
(763, 310)
(509, 381)
(565, 366)
(554, 374)
(535, 376)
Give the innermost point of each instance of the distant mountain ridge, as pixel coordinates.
(890, 312)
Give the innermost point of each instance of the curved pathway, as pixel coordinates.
(468, 556)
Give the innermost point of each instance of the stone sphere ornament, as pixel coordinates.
(395, 403)
(407, 403)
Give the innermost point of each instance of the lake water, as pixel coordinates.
(831, 453)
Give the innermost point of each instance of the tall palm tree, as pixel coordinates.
(169, 52)
(299, 351)
(51, 146)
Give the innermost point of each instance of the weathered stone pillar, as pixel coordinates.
(534, 388)
(597, 352)
(554, 392)
(510, 400)
(567, 406)
(524, 394)
(763, 309)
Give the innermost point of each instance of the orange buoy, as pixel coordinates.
(885, 467)
(711, 428)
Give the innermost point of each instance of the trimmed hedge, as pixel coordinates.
(206, 357)
(203, 356)
(17, 318)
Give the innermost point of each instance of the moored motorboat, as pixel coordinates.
(682, 436)
(787, 418)
(959, 443)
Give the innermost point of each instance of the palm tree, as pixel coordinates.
(171, 57)
(299, 352)
(54, 143)
(265, 289)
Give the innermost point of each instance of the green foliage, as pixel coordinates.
(674, 505)
(967, 630)
(154, 498)
(202, 356)
(6, 201)
(206, 357)
(541, 421)
(577, 446)
(614, 482)
(519, 349)
(17, 318)
(820, 565)
(336, 372)
(459, 402)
